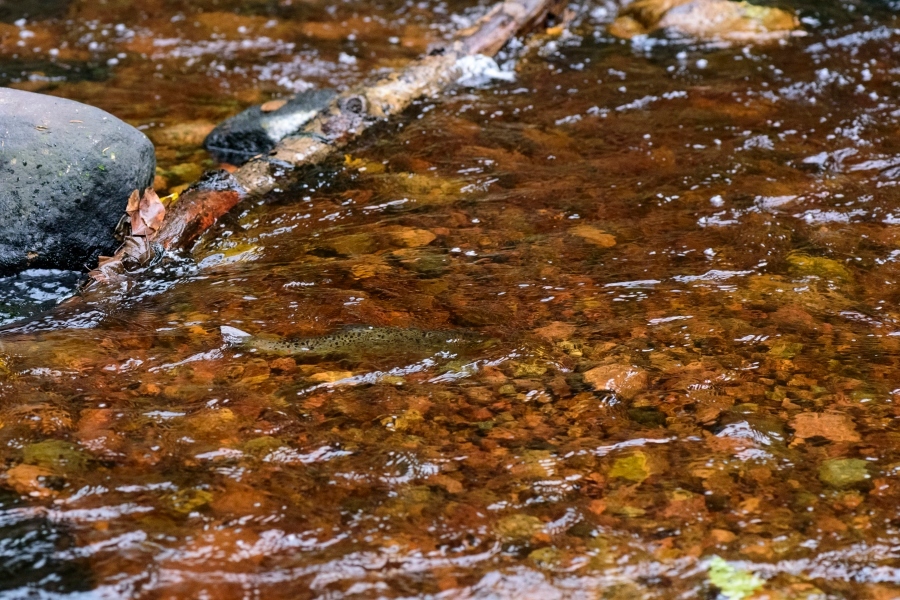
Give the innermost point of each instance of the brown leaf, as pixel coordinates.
(147, 220)
(136, 252)
(833, 426)
(153, 211)
(272, 105)
(134, 202)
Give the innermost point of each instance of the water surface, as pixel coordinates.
(710, 231)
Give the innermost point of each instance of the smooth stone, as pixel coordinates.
(259, 128)
(706, 19)
(66, 171)
(843, 472)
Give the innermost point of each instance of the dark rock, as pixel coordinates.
(66, 171)
(218, 181)
(257, 131)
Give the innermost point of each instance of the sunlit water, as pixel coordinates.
(714, 230)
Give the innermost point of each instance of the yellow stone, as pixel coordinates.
(594, 236)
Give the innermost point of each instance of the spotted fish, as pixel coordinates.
(357, 341)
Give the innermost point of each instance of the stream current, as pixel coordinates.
(687, 255)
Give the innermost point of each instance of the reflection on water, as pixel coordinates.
(34, 291)
(685, 257)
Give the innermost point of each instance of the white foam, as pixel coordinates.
(479, 70)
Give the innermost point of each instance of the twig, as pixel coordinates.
(345, 119)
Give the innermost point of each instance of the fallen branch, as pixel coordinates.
(345, 119)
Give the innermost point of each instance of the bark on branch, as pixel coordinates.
(346, 118)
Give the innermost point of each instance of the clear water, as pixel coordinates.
(710, 231)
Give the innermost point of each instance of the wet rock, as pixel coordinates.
(258, 129)
(66, 171)
(518, 527)
(705, 19)
(31, 480)
(410, 237)
(843, 472)
(184, 502)
(733, 583)
(625, 380)
(633, 468)
(57, 455)
(594, 236)
(832, 426)
(827, 269)
(547, 557)
(556, 331)
(785, 350)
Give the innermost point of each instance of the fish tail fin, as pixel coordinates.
(233, 336)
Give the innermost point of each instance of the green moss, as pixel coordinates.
(733, 583)
(55, 454)
(786, 350)
(828, 269)
(546, 558)
(518, 528)
(633, 468)
(843, 472)
(184, 502)
(262, 446)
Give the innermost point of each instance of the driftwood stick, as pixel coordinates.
(346, 118)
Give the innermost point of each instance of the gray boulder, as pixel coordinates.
(259, 128)
(66, 171)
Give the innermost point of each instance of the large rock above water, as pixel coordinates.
(66, 171)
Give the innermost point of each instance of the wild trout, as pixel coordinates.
(357, 341)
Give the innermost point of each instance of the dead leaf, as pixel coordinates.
(833, 426)
(137, 251)
(272, 105)
(146, 214)
(134, 202)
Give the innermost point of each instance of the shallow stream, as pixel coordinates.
(683, 259)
